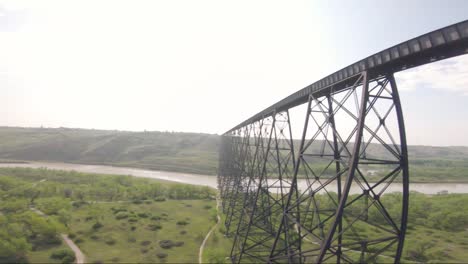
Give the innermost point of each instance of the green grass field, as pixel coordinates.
(137, 238)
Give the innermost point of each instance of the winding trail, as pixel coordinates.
(79, 256)
(202, 246)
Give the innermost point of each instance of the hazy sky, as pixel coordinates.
(204, 66)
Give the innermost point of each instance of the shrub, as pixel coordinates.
(154, 227)
(207, 207)
(166, 244)
(145, 243)
(131, 240)
(178, 243)
(161, 255)
(62, 253)
(182, 222)
(132, 219)
(94, 237)
(121, 215)
(72, 235)
(144, 250)
(160, 199)
(65, 255)
(222, 229)
(118, 210)
(110, 241)
(143, 215)
(183, 232)
(156, 218)
(115, 259)
(68, 259)
(97, 225)
(79, 240)
(133, 228)
(78, 204)
(137, 202)
(53, 240)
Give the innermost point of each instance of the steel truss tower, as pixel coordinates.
(283, 205)
(339, 193)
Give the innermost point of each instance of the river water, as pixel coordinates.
(206, 180)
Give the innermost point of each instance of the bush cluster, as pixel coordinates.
(182, 222)
(167, 244)
(64, 255)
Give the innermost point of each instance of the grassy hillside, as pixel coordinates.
(184, 152)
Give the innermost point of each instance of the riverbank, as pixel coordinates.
(415, 175)
(191, 153)
(210, 181)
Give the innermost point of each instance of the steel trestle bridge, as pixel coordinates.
(287, 200)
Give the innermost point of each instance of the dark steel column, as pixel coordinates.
(403, 164)
(352, 169)
(336, 156)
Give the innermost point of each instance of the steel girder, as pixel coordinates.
(321, 198)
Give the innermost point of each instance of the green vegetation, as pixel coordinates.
(186, 152)
(218, 247)
(141, 239)
(111, 218)
(437, 229)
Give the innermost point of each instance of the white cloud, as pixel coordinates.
(449, 75)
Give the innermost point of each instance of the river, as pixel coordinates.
(206, 180)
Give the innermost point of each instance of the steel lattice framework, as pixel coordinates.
(291, 200)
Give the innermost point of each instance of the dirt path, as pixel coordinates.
(80, 257)
(202, 247)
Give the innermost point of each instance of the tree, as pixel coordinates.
(12, 206)
(53, 205)
(13, 249)
(64, 217)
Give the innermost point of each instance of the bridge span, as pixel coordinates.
(353, 135)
